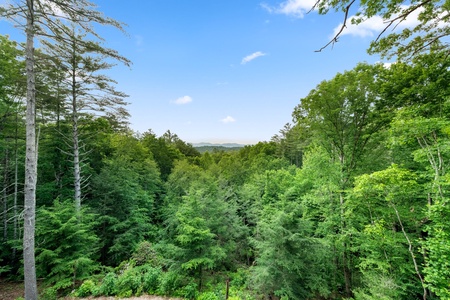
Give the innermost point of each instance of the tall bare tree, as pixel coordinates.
(88, 88)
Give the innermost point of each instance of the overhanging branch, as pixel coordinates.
(344, 25)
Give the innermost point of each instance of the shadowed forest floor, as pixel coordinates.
(14, 290)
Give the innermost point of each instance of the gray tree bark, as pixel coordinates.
(30, 163)
(76, 149)
(16, 187)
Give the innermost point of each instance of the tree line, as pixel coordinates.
(347, 201)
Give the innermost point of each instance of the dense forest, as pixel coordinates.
(348, 201)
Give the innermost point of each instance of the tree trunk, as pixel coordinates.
(30, 163)
(16, 187)
(410, 249)
(5, 193)
(76, 149)
(76, 166)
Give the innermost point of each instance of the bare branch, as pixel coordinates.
(344, 25)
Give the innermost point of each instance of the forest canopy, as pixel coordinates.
(349, 200)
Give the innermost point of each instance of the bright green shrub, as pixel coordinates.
(169, 283)
(49, 294)
(189, 291)
(150, 279)
(208, 296)
(88, 288)
(109, 285)
(129, 283)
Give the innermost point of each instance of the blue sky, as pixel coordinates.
(224, 70)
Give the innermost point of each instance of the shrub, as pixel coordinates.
(169, 283)
(49, 294)
(88, 288)
(150, 279)
(208, 296)
(129, 283)
(189, 291)
(109, 285)
(146, 254)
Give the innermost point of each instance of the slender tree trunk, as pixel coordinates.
(76, 149)
(5, 194)
(30, 164)
(76, 165)
(410, 249)
(16, 187)
(59, 172)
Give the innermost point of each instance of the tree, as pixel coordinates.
(124, 195)
(88, 89)
(12, 93)
(165, 154)
(43, 18)
(432, 152)
(67, 245)
(202, 227)
(391, 204)
(429, 29)
(286, 250)
(340, 114)
(291, 143)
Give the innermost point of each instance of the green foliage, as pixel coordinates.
(189, 291)
(164, 153)
(129, 283)
(150, 279)
(87, 288)
(340, 115)
(12, 70)
(208, 296)
(169, 283)
(429, 32)
(50, 293)
(288, 255)
(66, 244)
(124, 196)
(202, 225)
(389, 198)
(108, 286)
(145, 254)
(341, 204)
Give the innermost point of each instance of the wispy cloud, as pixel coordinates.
(294, 8)
(374, 25)
(228, 119)
(182, 100)
(251, 57)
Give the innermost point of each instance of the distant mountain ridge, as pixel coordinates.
(210, 147)
(226, 145)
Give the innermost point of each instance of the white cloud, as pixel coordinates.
(295, 8)
(228, 119)
(374, 25)
(183, 100)
(388, 65)
(251, 57)
(367, 28)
